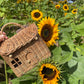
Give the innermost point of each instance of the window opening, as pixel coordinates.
(13, 62)
(16, 65)
(16, 62)
(16, 59)
(19, 63)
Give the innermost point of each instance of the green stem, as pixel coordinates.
(6, 77)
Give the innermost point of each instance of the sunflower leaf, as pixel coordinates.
(66, 24)
(28, 76)
(20, 80)
(79, 28)
(10, 71)
(61, 56)
(1, 1)
(66, 56)
(39, 81)
(57, 53)
(64, 82)
(77, 70)
(73, 80)
(3, 82)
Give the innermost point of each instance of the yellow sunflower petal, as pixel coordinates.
(18, 1)
(65, 14)
(48, 30)
(57, 6)
(36, 15)
(65, 7)
(74, 11)
(49, 78)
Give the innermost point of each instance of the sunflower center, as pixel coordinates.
(46, 32)
(57, 6)
(48, 73)
(74, 11)
(37, 14)
(65, 7)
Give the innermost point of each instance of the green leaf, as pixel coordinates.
(27, 82)
(61, 56)
(80, 49)
(29, 76)
(3, 9)
(67, 23)
(39, 81)
(10, 71)
(1, 1)
(63, 82)
(65, 29)
(14, 20)
(23, 82)
(65, 37)
(1, 14)
(15, 82)
(3, 82)
(79, 28)
(69, 15)
(73, 80)
(72, 63)
(81, 81)
(66, 56)
(34, 82)
(56, 53)
(77, 74)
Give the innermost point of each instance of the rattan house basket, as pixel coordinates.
(24, 50)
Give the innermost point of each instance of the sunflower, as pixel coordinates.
(65, 1)
(74, 11)
(28, 1)
(65, 7)
(34, 1)
(65, 14)
(48, 30)
(57, 6)
(18, 1)
(36, 15)
(49, 73)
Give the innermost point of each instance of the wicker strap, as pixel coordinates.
(11, 23)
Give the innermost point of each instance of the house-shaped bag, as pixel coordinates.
(24, 50)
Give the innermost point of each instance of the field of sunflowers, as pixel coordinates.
(61, 25)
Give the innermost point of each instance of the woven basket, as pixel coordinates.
(24, 50)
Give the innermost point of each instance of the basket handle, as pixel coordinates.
(12, 23)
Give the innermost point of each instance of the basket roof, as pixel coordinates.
(20, 39)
